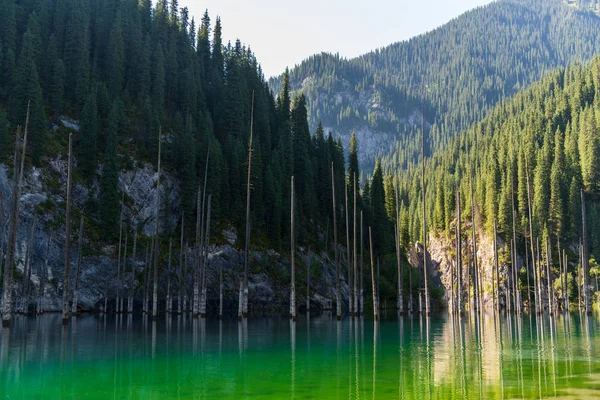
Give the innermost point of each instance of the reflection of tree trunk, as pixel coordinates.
(375, 334)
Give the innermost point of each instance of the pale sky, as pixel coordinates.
(283, 33)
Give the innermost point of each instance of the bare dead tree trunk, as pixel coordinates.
(133, 270)
(539, 276)
(117, 310)
(3, 224)
(180, 275)
(348, 254)
(373, 284)
(476, 275)
(460, 285)
(338, 292)
(78, 270)
(43, 278)
(196, 289)
(27, 270)
(400, 300)
(308, 264)
(426, 284)
(7, 302)
(535, 281)
(205, 263)
(549, 276)
(292, 258)
(527, 271)
(362, 302)
(156, 234)
(204, 239)
(585, 259)
(495, 282)
(220, 290)
(566, 287)
(169, 298)
(517, 292)
(122, 284)
(66, 315)
(244, 311)
(355, 255)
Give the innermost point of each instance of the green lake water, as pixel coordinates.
(120, 357)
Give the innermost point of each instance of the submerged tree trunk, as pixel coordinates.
(169, 299)
(495, 282)
(43, 278)
(121, 282)
(78, 269)
(354, 256)
(338, 291)
(24, 308)
(362, 302)
(308, 264)
(117, 310)
(243, 312)
(180, 275)
(460, 285)
(531, 238)
(133, 271)
(373, 284)
(196, 288)
(585, 260)
(348, 255)
(549, 277)
(7, 301)
(399, 300)
(425, 273)
(205, 262)
(156, 235)
(67, 280)
(292, 258)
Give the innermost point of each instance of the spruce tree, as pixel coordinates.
(26, 91)
(88, 137)
(108, 206)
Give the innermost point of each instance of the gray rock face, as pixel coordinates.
(43, 200)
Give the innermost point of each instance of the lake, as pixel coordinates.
(316, 357)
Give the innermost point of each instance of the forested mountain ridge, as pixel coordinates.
(542, 147)
(460, 71)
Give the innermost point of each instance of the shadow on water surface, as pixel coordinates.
(441, 357)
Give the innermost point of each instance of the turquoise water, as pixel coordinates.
(119, 357)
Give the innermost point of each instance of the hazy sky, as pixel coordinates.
(283, 33)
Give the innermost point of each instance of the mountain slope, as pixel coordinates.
(460, 71)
